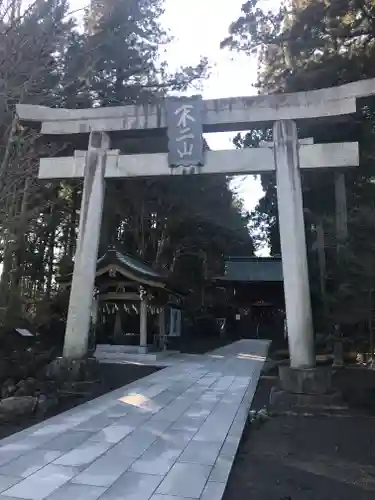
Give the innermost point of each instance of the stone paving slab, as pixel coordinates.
(169, 436)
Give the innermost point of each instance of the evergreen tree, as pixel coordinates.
(306, 45)
(115, 60)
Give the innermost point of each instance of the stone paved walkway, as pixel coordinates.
(169, 436)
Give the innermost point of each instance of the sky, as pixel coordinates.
(198, 26)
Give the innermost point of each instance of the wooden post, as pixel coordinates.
(162, 327)
(143, 322)
(117, 328)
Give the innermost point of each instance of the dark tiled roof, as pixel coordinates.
(139, 271)
(134, 265)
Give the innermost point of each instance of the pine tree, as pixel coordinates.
(306, 45)
(115, 60)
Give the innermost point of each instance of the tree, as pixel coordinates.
(28, 73)
(123, 54)
(306, 45)
(114, 60)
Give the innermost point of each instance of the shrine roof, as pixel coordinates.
(126, 263)
(115, 266)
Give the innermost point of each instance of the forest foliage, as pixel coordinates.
(304, 45)
(50, 57)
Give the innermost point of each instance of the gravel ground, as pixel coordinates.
(306, 458)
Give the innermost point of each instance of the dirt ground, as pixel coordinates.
(203, 345)
(305, 458)
(112, 377)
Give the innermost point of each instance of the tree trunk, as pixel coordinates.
(371, 329)
(341, 228)
(7, 152)
(50, 260)
(15, 304)
(162, 244)
(141, 245)
(5, 279)
(341, 210)
(21, 233)
(73, 224)
(322, 268)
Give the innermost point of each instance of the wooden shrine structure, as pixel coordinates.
(254, 293)
(133, 304)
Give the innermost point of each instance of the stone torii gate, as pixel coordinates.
(287, 156)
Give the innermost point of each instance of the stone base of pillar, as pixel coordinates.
(282, 402)
(143, 349)
(307, 390)
(73, 370)
(317, 380)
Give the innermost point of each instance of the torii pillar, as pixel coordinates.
(80, 303)
(293, 245)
